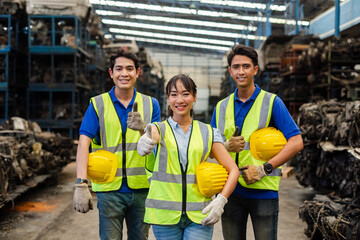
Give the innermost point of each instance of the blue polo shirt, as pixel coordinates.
(91, 128)
(280, 119)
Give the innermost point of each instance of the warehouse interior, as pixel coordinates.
(54, 56)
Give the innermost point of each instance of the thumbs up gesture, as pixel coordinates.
(146, 143)
(235, 143)
(134, 120)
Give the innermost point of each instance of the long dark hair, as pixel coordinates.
(188, 83)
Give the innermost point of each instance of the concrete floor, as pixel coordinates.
(46, 213)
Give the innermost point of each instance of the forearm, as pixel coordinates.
(82, 156)
(291, 148)
(230, 183)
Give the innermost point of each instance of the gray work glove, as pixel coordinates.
(134, 120)
(82, 198)
(235, 143)
(252, 174)
(216, 208)
(146, 143)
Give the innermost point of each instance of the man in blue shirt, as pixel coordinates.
(110, 124)
(250, 108)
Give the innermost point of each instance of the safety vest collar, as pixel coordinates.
(226, 114)
(162, 172)
(144, 108)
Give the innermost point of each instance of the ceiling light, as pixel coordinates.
(171, 36)
(182, 30)
(176, 43)
(185, 11)
(179, 21)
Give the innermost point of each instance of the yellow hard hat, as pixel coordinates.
(265, 143)
(211, 178)
(102, 166)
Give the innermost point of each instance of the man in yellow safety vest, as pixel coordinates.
(114, 121)
(250, 108)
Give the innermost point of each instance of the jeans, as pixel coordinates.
(264, 217)
(185, 229)
(114, 207)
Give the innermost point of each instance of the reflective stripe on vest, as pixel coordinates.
(258, 117)
(111, 136)
(174, 191)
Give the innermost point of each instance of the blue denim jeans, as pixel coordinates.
(114, 207)
(185, 229)
(264, 217)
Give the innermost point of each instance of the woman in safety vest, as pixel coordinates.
(175, 206)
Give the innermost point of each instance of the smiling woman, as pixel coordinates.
(181, 96)
(175, 207)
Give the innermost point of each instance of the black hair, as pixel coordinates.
(240, 49)
(126, 54)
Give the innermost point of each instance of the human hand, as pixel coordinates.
(235, 143)
(252, 174)
(82, 198)
(134, 120)
(146, 143)
(216, 208)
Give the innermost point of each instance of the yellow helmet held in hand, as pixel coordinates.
(211, 178)
(102, 166)
(265, 143)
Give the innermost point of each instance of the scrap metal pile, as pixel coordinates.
(330, 163)
(26, 153)
(335, 63)
(330, 217)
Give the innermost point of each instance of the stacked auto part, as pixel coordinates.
(330, 163)
(28, 156)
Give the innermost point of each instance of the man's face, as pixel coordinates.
(242, 70)
(124, 73)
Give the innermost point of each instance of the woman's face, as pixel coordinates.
(180, 100)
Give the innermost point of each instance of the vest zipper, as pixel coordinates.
(183, 174)
(124, 154)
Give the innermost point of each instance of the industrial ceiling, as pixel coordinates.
(210, 26)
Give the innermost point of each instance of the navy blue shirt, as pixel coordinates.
(280, 119)
(91, 128)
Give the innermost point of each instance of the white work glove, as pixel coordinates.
(82, 198)
(146, 143)
(252, 174)
(134, 120)
(235, 143)
(216, 208)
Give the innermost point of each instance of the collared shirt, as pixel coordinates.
(280, 119)
(91, 128)
(183, 139)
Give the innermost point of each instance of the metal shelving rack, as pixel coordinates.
(97, 68)
(58, 90)
(11, 66)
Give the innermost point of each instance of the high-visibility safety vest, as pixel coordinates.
(123, 144)
(258, 117)
(173, 191)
